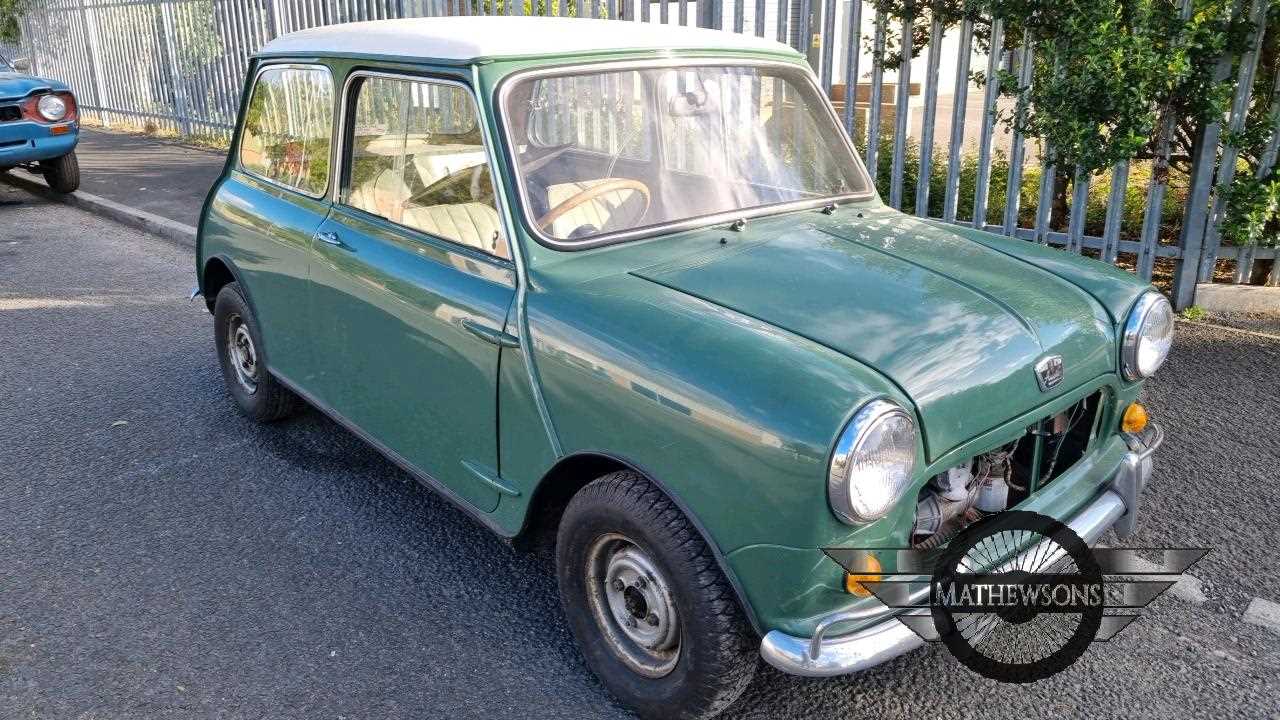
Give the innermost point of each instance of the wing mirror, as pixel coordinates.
(22, 64)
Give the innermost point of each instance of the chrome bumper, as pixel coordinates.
(820, 656)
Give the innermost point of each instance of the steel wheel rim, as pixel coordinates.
(242, 354)
(633, 606)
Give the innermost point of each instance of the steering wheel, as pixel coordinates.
(591, 193)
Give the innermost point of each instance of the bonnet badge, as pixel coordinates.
(1049, 372)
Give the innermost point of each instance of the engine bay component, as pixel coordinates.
(945, 503)
(954, 483)
(995, 473)
(993, 493)
(961, 495)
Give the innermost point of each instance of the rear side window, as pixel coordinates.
(288, 128)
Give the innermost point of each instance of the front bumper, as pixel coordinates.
(24, 141)
(821, 656)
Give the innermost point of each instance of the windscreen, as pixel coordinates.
(602, 152)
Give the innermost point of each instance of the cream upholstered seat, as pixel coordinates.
(384, 195)
(437, 161)
(614, 210)
(473, 224)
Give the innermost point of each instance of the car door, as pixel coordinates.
(411, 283)
(272, 202)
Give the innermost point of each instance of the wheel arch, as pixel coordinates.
(217, 272)
(574, 471)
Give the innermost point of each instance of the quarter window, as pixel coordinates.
(288, 128)
(418, 159)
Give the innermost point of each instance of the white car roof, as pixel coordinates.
(475, 37)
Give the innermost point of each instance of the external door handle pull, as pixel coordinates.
(330, 238)
(490, 335)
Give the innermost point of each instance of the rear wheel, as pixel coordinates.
(259, 395)
(653, 615)
(62, 174)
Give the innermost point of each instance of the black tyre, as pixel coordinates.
(259, 395)
(62, 174)
(654, 617)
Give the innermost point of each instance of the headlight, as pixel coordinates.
(872, 463)
(51, 108)
(1148, 335)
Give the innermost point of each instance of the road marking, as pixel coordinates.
(1187, 588)
(43, 303)
(87, 301)
(1263, 613)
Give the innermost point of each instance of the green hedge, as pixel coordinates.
(1135, 204)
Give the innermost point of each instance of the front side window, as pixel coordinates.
(606, 151)
(288, 128)
(418, 159)
(5, 65)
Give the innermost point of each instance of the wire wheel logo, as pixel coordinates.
(1021, 619)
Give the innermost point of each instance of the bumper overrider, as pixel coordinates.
(1115, 506)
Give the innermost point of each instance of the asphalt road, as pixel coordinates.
(162, 557)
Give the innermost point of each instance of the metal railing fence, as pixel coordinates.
(177, 66)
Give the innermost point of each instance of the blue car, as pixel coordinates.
(38, 126)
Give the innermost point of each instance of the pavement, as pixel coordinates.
(163, 557)
(159, 177)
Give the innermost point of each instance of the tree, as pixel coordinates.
(10, 11)
(564, 8)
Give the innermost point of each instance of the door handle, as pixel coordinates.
(490, 335)
(330, 238)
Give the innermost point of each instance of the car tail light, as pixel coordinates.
(31, 109)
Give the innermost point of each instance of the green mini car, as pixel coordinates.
(628, 289)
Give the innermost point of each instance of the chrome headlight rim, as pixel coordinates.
(849, 443)
(51, 115)
(1134, 326)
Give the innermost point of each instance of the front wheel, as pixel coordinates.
(62, 174)
(655, 617)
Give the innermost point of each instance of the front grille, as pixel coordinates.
(9, 113)
(1003, 477)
